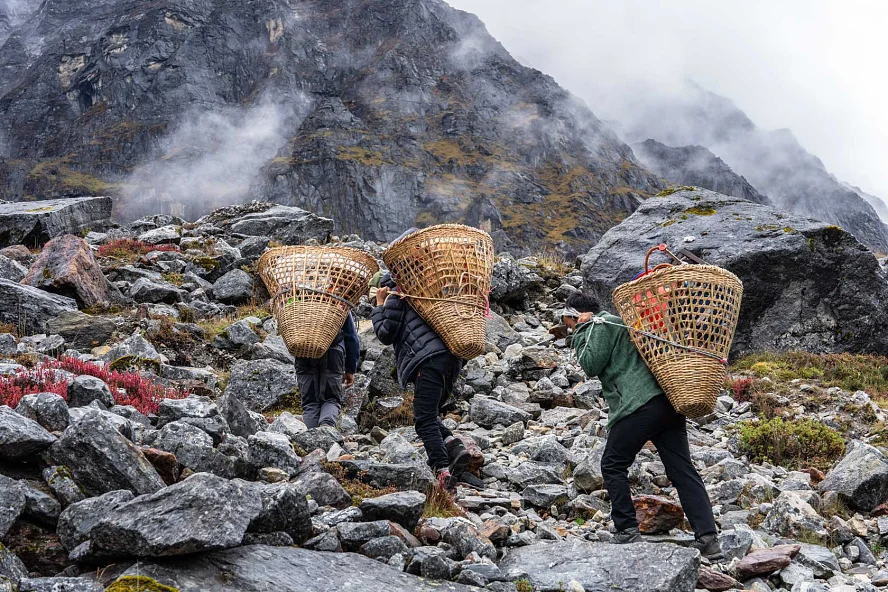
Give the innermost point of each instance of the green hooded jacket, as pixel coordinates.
(607, 352)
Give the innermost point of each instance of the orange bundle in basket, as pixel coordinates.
(313, 289)
(444, 272)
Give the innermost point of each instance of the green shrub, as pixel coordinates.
(791, 443)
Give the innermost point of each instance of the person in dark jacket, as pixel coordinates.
(638, 411)
(321, 380)
(423, 359)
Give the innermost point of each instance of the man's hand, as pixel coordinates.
(381, 295)
(569, 322)
(348, 380)
(584, 318)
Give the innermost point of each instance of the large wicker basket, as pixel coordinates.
(313, 290)
(682, 319)
(445, 272)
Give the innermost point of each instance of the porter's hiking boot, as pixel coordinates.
(709, 547)
(630, 535)
(470, 479)
(457, 455)
(446, 480)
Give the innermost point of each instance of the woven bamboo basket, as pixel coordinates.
(695, 306)
(313, 289)
(444, 272)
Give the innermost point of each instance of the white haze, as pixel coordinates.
(212, 157)
(813, 66)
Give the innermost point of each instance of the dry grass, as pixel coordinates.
(551, 262)
(400, 416)
(440, 504)
(356, 487)
(216, 326)
(850, 372)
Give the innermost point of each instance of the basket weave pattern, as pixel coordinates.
(448, 269)
(696, 306)
(312, 290)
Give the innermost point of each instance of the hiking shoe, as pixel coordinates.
(709, 547)
(630, 535)
(446, 480)
(458, 456)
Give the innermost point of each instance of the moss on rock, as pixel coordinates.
(138, 584)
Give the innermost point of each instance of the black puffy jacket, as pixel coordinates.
(396, 323)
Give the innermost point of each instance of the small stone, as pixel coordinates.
(657, 514)
(86, 389)
(761, 563)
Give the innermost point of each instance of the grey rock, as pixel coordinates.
(500, 333)
(62, 484)
(81, 330)
(860, 478)
(102, 460)
(11, 566)
(466, 540)
(384, 548)
(819, 559)
(193, 449)
(355, 534)
(252, 247)
(238, 335)
(808, 266)
(289, 425)
(403, 507)
(736, 543)
(319, 438)
(600, 567)
(11, 269)
(77, 520)
(533, 473)
(31, 308)
(85, 389)
(282, 569)
(240, 421)
(272, 539)
(235, 287)
(260, 384)
(194, 406)
(8, 345)
(490, 412)
(545, 496)
(39, 505)
(202, 513)
(168, 234)
(59, 585)
(513, 283)
(284, 509)
(47, 409)
(402, 477)
(268, 449)
(396, 449)
(287, 225)
(136, 346)
(155, 292)
(25, 223)
(21, 437)
(543, 449)
(12, 503)
(324, 489)
(513, 433)
(793, 517)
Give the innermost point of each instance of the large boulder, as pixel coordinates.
(67, 266)
(30, 308)
(10, 269)
(599, 567)
(285, 224)
(284, 509)
(860, 478)
(12, 503)
(282, 569)
(102, 460)
(490, 412)
(81, 330)
(78, 519)
(202, 513)
(20, 437)
(235, 287)
(512, 282)
(260, 384)
(31, 224)
(807, 285)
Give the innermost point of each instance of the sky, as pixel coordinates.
(816, 67)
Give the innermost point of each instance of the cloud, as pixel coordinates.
(212, 157)
(807, 65)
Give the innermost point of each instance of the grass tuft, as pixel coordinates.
(791, 443)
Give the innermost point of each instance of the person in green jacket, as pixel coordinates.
(638, 411)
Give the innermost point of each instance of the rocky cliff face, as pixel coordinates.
(380, 115)
(772, 161)
(696, 166)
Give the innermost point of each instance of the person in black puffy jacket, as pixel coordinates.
(423, 359)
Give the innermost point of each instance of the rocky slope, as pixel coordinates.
(772, 161)
(697, 166)
(380, 115)
(156, 441)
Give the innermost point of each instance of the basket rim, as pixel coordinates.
(356, 254)
(422, 231)
(666, 270)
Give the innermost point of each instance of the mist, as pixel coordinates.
(808, 66)
(211, 158)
